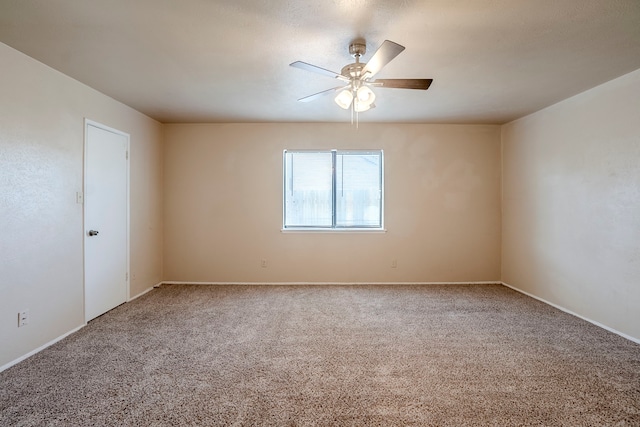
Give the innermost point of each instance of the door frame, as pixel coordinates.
(87, 123)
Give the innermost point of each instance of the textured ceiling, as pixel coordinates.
(228, 60)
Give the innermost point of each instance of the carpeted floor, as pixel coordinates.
(329, 355)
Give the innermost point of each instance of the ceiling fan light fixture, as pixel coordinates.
(359, 106)
(365, 95)
(344, 98)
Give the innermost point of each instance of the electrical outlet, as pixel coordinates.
(263, 263)
(394, 263)
(23, 318)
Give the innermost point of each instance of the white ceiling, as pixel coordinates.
(228, 60)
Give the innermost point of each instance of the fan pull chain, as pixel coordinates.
(354, 112)
(352, 109)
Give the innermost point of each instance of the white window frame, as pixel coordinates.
(333, 229)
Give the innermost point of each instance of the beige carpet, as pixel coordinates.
(329, 355)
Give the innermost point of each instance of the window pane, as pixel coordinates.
(358, 190)
(308, 184)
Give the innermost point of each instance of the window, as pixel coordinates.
(333, 189)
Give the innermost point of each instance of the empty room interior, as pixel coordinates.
(352, 213)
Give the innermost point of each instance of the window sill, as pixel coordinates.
(334, 230)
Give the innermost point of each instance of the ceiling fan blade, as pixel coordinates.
(422, 84)
(385, 54)
(315, 69)
(321, 94)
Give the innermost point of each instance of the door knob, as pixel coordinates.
(93, 233)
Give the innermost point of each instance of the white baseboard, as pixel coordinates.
(144, 292)
(39, 349)
(600, 325)
(330, 283)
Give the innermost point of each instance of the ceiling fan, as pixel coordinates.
(355, 92)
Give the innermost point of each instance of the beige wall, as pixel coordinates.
(571, 206)
(41, 168)
(223, 205)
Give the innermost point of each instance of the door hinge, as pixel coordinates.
(127, 155)
(126, 275)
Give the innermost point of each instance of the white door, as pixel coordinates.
(106, 219)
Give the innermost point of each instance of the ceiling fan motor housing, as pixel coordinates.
(353, 71)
